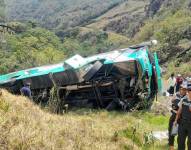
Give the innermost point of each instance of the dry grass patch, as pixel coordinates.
(25, 126)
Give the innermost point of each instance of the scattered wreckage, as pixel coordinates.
(119, 79)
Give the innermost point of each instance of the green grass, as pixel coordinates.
(147, 123)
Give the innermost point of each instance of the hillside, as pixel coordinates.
(120, 16)
(58, 13)
(171, 27)
(124, 19)
(25, 126)
(90, 26)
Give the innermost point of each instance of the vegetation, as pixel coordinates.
(173, 34)
(25, 126)
(169, 31)
(31, 48)
(58, 13)
(124, 19)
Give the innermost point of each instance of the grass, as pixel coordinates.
(133, 7)
(25, 126)
(117, 38)
(183, 69)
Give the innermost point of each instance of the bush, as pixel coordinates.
(31, 48)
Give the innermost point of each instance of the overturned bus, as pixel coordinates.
(119, 79)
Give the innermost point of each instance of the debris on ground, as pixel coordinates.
(160, 135)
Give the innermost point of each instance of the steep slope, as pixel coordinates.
(25, 126)
(58, 13)
(171, 26)
(120, 16)
(124, 19)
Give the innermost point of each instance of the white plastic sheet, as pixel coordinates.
(160, 135)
